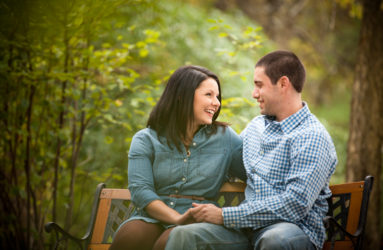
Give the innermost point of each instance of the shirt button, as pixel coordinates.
(171, 203)
(185, 160)
(176, 191)
(194, 144)
(184, 179)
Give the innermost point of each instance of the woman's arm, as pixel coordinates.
(236, 168)
(157, 209)
(141, 182)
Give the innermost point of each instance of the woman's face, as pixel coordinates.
(206, 102)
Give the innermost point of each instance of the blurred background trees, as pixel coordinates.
(79, 78)
(365, 144)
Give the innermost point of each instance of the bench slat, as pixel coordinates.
(102, 217)
(114, 193)
(233, 187)
(98, 246)
(347, 187)
(340, 245)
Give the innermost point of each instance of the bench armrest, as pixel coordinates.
(81, 242)
(62, 235)
(332, 225)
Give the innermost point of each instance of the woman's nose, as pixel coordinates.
(216, 102)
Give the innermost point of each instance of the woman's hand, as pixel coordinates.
(186, 218)
(160, 211)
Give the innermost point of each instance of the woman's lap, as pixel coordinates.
(137, 234)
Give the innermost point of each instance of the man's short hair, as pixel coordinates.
(283, 63)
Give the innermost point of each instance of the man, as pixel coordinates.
(289, 158)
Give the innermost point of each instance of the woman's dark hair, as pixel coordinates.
(174, 111)
(284, 63)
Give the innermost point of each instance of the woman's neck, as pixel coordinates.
(189, 136)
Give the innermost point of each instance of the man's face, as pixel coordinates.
(266, 93)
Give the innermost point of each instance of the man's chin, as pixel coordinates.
(263, 112)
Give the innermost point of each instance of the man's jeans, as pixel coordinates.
(206, 236)
(281, 235)
(210, 236)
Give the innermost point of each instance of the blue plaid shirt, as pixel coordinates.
(288, 166)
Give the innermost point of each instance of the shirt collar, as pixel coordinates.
(288, 124)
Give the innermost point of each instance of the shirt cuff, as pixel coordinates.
(143, 198)
(232, 216)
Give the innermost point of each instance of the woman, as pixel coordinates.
(183, 156)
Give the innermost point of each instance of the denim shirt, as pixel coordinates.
(156, 170)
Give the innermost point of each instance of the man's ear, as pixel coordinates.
(284, 82)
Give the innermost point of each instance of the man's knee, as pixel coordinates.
(206, 236)
(271, 240)
(183, 237)
(186, 231)
(180, 231)
(282, 236)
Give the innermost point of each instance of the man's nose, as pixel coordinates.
(255, 93)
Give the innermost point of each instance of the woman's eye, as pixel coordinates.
(208, 94)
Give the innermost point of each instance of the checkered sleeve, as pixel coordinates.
(312, 161)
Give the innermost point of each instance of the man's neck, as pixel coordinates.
(290, 107)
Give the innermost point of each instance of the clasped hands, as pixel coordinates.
(201, 213)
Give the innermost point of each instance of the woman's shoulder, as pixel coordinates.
(225, 130)
(145, 134)
(144, 140)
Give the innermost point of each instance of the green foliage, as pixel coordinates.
(354, 7)
(79, 78)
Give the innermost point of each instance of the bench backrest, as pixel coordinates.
(348, 205)
(114, 206)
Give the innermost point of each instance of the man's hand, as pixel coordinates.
(207, 213)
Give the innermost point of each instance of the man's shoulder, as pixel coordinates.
(258, 121)
(312, 134)
(312, 128)
(310, 124)
(256, 124)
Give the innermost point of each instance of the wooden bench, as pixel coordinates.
(345, 222)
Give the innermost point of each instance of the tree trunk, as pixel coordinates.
(364, 156)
